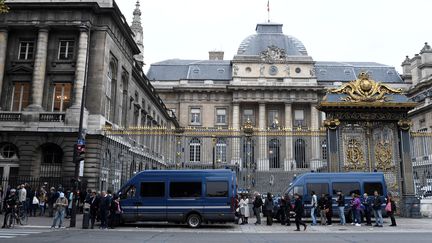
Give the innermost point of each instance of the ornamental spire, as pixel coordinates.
(136, 22)
(138, 32)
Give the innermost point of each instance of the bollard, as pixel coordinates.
(86, 218)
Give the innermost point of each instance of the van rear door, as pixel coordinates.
(152, 203)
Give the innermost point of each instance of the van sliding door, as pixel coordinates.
(152, 203)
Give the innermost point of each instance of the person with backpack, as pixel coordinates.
(268, 207)
(257, 208)
(341, 206)
(299, 212)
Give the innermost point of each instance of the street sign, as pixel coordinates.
(81, 168)
(81, 142)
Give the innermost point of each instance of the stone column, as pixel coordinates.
(3, 47)
(235, 147)
(316, 162)
(289, 162)
(410, 204)
(263, 162)
(80, 67)
(73, 113)
(39, 70)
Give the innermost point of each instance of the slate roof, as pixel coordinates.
(221, 70)
(269, 34)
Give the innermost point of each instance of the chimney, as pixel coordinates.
(216, 55)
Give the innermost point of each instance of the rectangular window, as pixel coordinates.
(248, 114)
(221, 151)
(61, 96)
(26, 50)
(20, 96)
(371, 187)
(221, 116)
(185, 189)
(299, 118)
(152, 189)
(347, 188)
(273, 118)
(217, 189)
(66, 49)
(318, 188)
(195, 116)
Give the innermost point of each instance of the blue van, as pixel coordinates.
(331, 183)
(191, 196)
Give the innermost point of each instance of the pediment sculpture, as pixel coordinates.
(273, 54)
(365, 89)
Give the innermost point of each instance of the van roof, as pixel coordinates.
(208, 171)
(341, 175)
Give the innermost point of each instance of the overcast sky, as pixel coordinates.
(383, 31)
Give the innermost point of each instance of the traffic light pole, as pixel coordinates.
(80, 138)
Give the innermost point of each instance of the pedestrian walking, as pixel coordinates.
(322, 205)
(299, 212)
(367, 208)
(42, 201)
(314, 207)
(94, 208)
(244, 209)
(356, 207)
(329, 209)
(341, 206)
(376, 207)
(115, 211)
(391, 209)
(34, 203)
(60, 207)
(257, 203)
(268, 207)
(51, 198)
(22, 195)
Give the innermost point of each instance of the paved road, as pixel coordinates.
(115, 236)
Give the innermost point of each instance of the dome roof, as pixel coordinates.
(270, 34)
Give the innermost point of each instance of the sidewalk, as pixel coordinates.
(407, 225)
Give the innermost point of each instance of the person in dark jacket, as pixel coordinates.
(322, 205)
(366, 202)
(377, 201)
(93, 200)
(299, 212)
(257, 208)
(114, 215)
(341, 206)
(10, 203)
(104, 206)
(329, 209)
(392, 211)
(268, 207)
(287, 209)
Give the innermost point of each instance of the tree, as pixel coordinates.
(3, 7)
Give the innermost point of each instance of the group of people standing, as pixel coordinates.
(359, 207)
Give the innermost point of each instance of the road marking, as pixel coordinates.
(12, 233)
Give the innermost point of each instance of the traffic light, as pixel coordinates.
(80, 152)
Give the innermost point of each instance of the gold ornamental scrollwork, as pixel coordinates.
(383, 156)
(248, 127)
(332, 123)
(405, 124)
(365, 89)
(354, 156)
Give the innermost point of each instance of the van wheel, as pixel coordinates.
(193, 220)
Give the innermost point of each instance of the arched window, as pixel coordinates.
(110, 91)
(274, 155)
(51, 161)
(8, 151)
(300, 153)
(106, 159)
(324, 149)
(132, 169)
(195, 150)
(221, 150)
(124, 103)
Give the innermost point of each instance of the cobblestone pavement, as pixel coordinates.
(404, 225)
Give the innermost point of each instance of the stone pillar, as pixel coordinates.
(289, 162)
(3, 47)
(235, 144)
(73, 113)
(263, 162)
(410, 204)
(333, 163)
(316, 162)
(39, 71)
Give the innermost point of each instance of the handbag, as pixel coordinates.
(388, 207)
(35, 200)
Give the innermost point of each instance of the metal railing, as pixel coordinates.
(421, 149)
(52, 117)
(10, 116)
